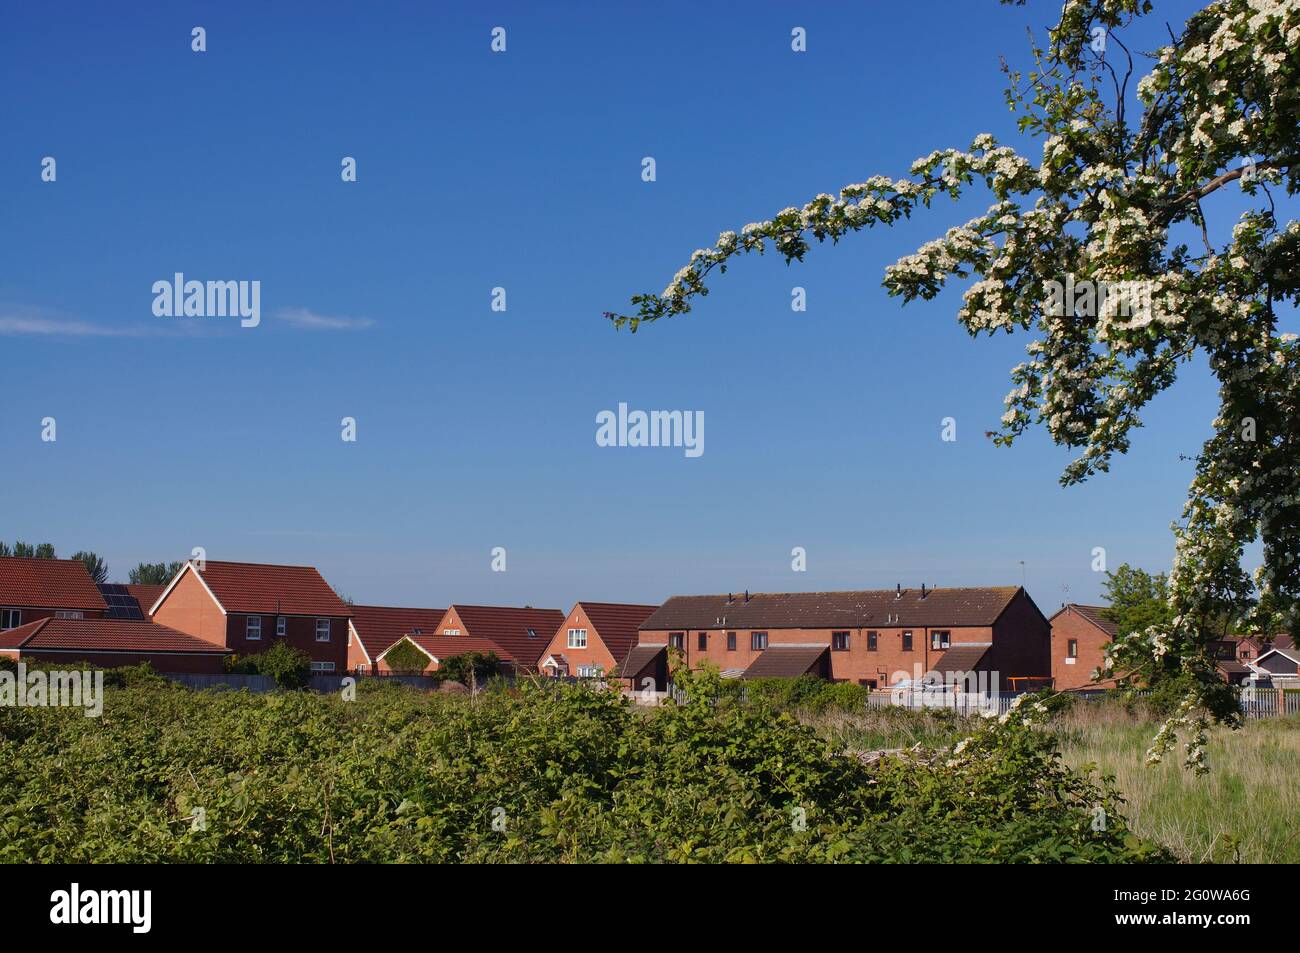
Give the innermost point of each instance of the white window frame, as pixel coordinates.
(322, 666)
(69, 614)
(451, 631)
(14, 616)
(577, 638)
(590, 671)
(327, 630)
(281, 625)
(253, 633)
(940, 639)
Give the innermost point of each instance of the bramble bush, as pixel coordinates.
(524, 774)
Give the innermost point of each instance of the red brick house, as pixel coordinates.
(524, 633)
(107, 643)
(372, 629)
(438, 648)
(246, 606)
(32, 589)
(593, 639)
(1079, 635)
(876, 637)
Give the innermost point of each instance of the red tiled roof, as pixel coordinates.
(378, 627)
(144, 594)
(47, 584)
(1092, 614)
(104, 635)
(977, 606)
(273, 590)
(508, 627)
(443, 647)
(616, 623)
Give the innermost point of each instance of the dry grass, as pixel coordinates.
(1244, 810)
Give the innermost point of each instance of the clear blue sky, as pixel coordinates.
(476, 429)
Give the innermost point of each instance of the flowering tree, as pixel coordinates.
(1103, 248)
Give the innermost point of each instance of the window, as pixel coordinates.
(868, 683)
(322, 630)
(907, 641)
(322, 666)
(279, 626)
(840, 641)
(940, 640)
(1072, 648)
(532, 633)
(69, 614)
(577, 638)
(590, 671)
(702, 641)
(731, 641)
(253, 628)
(873, 640)
(677, 640)
(758, 641)
(451, 631)
(11, 618)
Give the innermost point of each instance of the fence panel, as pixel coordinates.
(253, 683)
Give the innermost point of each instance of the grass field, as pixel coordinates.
(1244, 810)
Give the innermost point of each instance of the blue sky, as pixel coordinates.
(476, 428)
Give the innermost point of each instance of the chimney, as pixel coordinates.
(923, 592)
(746, 595)
(731, 597)
(898, 593)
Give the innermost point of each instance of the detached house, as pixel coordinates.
(51, 609)
(877, 638)
(32, 589)
(372, 629)
(1079, 637)
(245, 607)
(524, 633)
(593, 639)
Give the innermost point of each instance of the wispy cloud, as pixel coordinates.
(309, 320)
(37, 323)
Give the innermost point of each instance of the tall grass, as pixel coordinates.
(1244, 810)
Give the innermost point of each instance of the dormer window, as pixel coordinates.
(532, 633)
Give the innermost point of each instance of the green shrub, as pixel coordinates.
(405, 656)
(469, 665)
(289, 666)
(569, 773)
(806, 693)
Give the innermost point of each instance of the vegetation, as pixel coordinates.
(808, 693)
(289, 666)
(27, 550)
(532, 774)
(1243, 810)
(405, 656)
(470, 668)
(154, 574)
(1112, 242)
(95, 565)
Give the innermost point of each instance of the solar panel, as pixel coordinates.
(121, 604)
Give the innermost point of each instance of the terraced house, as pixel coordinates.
(876, 637)
(246, 607)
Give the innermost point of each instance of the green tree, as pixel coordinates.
(1137, 599)
(154, 574)
(1109, 203)
(28, 551)
(469, 668)
(95, 565)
